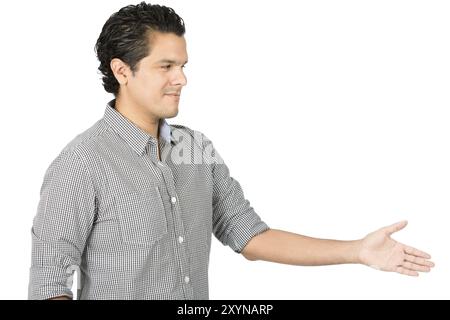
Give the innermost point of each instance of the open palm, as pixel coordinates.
(380, 251)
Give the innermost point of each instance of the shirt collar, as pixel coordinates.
(137, 138)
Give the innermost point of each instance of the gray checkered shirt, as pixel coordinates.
(135, 226)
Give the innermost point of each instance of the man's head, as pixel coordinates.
(142, 52)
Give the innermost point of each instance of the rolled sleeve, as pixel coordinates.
(61, 226)
(235, 222)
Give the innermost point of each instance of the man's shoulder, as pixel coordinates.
(86, 139)
(73, 155)
(179, 129)
(183, 132)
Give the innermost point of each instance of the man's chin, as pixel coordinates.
(172, 114)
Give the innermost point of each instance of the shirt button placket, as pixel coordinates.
(173, 199)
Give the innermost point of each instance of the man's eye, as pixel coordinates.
(166, 67)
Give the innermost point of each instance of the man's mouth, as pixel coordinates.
(173, 96)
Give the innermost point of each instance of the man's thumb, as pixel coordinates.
(395, 227)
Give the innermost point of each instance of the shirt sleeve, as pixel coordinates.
(61, 226)
(235, 222)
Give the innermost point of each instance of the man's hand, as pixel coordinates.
(378, 250)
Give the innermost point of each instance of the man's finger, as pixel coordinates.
(407, 272)
(416, 252)
(418, 260)
(395, 227)
(415, 267)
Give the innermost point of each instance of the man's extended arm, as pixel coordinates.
(377, 250)
(290, 248)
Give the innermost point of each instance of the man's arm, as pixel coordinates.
(234, 221)
(63, 222)
(377, 250)
(290, 248)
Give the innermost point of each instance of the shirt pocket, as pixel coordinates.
(142, 218)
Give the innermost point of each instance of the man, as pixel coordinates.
(132, 202)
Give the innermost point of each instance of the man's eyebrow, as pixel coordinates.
(170, 61)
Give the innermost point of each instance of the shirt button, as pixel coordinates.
(186, 279)
(180, 239)
(173, 199)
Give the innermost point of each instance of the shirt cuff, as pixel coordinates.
(49, 282)
(240, 235)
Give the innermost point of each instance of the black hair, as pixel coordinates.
(125, 35)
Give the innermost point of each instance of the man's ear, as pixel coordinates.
(121, 70)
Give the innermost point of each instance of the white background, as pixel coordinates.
(333, 115)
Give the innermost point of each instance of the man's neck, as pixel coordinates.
(139, 117)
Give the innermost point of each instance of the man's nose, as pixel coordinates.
(180, 78)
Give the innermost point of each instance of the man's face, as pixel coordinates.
(156, 86)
